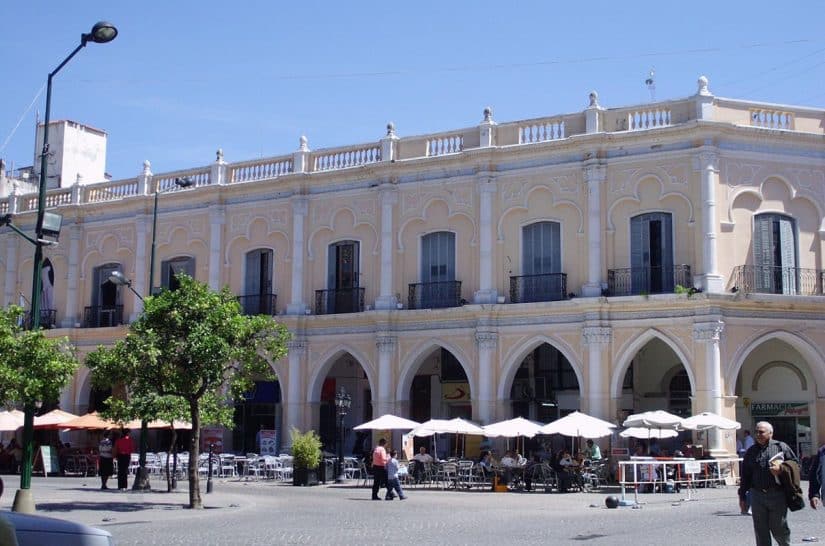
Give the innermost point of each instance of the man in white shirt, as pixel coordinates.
(422, 458)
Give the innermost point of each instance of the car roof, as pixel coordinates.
(34, 522)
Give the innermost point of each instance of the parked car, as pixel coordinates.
(32, 530)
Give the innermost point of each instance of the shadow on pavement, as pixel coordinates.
(107, 506)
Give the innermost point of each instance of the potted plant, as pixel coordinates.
(306, 456)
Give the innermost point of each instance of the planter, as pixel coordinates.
(305, 476)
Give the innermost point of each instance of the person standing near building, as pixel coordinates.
(816, 477)
(104, 461)
(747, 440)
(760, 476)
(379, 468)
(123, 451)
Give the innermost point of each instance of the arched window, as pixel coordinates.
(258, 298)
(774, 253)
(651, 253)
(170, 269)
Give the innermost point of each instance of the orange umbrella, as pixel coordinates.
(89, 421)
(53, 420)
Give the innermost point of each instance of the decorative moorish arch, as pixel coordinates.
(629, 352)
(520, 352)
(813, 357)
(328, 359)
(803, 383)
(415, 357)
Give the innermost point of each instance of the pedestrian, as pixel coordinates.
(104, 454)
(760, 476)
(816, 475)
(393, 484)
(123, 451)
(379, 468)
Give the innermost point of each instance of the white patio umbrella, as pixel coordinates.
(10, 420)
(707, 419)
(512, 428)
(53, 419)
(648, 433)
(388, 422)
(578, 424)
(653, 419)
(447, 426)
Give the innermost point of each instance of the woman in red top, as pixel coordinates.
(123, 451)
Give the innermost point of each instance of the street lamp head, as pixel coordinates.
(120, 279)
(101, 33)
(5, 219)
(184, 182)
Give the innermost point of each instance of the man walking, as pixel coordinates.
(816, 475)
(760, 476)
(379, 468)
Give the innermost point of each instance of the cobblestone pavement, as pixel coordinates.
(261, 512)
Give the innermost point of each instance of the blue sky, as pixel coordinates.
(184, 78)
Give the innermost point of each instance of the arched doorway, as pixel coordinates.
(545, 386)
(258, 420)
(345, 372)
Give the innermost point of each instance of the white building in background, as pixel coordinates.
(660, 256)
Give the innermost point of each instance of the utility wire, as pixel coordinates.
(23, 115)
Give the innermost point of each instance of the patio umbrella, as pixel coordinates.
(10, 420)
(447, 426)
(160, 424)
(388, 422)
(90, 421)
(707, 419)
(648, 433)
(654, 419)
(53, 420)
(512, 428)
(578, 424)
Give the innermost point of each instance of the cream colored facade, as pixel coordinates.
(719, 187)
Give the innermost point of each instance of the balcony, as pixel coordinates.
(636, 281)
(102, 316)
(778, 280)
(435, 295)
(533, 288)
(339, 300)
(48, 318)
(258, 304)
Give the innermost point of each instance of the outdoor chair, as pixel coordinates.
(229, 468)
(466, 476)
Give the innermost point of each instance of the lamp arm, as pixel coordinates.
(20, 233)
(135, 292)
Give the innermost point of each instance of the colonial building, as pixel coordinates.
(660, 256)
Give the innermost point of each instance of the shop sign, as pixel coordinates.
(780, 409)
(455, 392)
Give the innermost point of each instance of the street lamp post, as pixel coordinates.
(343, 401)
(101, 33)
(117, 277)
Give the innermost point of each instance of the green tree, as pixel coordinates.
(33, 367)
(191, 344)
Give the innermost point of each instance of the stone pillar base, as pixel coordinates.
(485, 296)
(296, 309)
(591, 290)
(713, 284)
(386, 302)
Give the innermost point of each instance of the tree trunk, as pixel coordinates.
(169, 478)
(194, 455)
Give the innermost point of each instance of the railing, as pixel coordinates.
(434, 295)
(541, 131)
(442, 145)
(533, 288)
(101, 316)
(339, 300)
(772, 119)
(258, 304)
(636, 281)
(778, 280)
(260, 170)
(166, 182)
(350, 157)
(48, 318)
(98, 193)
(650, 118)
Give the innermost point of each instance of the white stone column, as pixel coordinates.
(596, 339)
(299, 211)
(594, 176)
(10, 283)
(709, 334)
(141, 268)
(708, 166)
(217, 218)
(386, 344)
(71, 315)
(487, 292)
(487, 343)
(389, 197)
(217, 173)
(297, 349)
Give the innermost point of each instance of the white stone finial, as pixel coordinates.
(594, 99)
(390, 129)
(488, 114)
(78, 179)
(147, 168)
(702, 83)
(303, 144)
(219, 156)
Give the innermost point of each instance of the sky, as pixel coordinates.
(184, 78)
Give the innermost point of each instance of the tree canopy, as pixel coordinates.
(193, 348)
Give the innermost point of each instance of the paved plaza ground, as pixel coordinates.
(261, 512)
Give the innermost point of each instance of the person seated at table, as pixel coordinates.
(655, 450)
(508, 463)
(529, 468)
(567, 471)
(485, 462)
(592, 451)
(640, 450)
(420, 460)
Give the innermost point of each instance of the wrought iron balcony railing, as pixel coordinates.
(258, 304)
(635, 281)
(434, 295)
(532, 288)
(778, 280)
(48, 318)
(101, 316)
(339, 300)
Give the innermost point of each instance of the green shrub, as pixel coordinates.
(306, 449)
